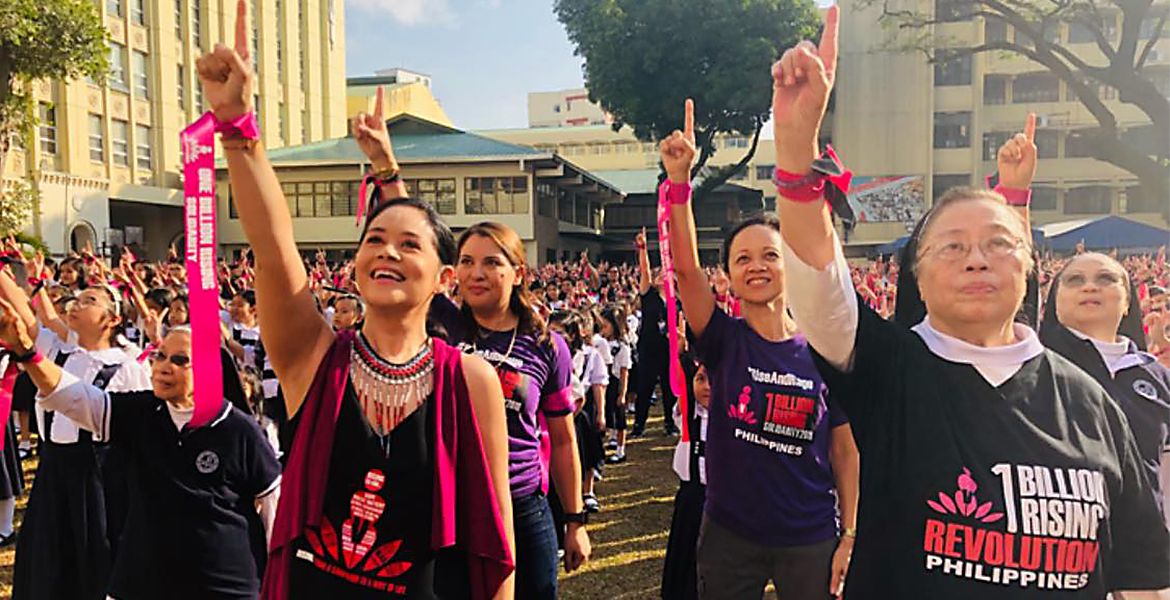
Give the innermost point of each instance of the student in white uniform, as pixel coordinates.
(69, 501)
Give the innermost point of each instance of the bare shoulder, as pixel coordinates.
(480, 375)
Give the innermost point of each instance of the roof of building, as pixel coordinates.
(415, 140)
(645, 181)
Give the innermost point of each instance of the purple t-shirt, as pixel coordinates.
(768, 473)
(534, 376)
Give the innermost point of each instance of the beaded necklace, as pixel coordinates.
(389, 392)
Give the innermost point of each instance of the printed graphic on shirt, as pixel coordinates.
(514, 386)
(1145, 389)
(1043, 537)
(207, 462)
(772, 414)
(352, 556)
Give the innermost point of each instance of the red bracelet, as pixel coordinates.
(1014, 196)
(809, 187)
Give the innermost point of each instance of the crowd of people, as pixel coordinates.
(433, 417)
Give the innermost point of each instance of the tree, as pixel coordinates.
(16, 205)
(1124, 54)
(59, 39)
(643, 58)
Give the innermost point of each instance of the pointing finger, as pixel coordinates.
(828, 45)
(378, 104)
(1030, 127)
(689, 119)
(242, 29)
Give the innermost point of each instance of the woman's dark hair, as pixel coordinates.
(77, 264)
(149, 275)
(160, 297)
(444, 239)
(765, 219)
(1130, 326)
(571, 323)
(182, 298)
(521, 303)
(616, 318)
(909, 309)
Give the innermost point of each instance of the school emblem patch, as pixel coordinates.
(1145, 389)
(207, 462)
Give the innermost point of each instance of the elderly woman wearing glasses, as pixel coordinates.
(195, 527)
(990, 466)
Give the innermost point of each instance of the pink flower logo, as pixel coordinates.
(963, 501)
(741, 411)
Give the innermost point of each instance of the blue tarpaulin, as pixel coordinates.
(1104, 233)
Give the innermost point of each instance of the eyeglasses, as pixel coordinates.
(1102, 279)
(179, 360)
(993, 248)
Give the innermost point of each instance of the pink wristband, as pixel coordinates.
(676, 193)
(244, 125)
(809, 187)
(1014, 196)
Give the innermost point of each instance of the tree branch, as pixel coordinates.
(1149, 47)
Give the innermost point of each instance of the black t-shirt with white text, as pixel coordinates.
(1030, 489)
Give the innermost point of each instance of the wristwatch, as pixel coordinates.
(581, 517)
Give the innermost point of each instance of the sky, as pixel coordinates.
(483, 56)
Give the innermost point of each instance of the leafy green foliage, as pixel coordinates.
(643, 58)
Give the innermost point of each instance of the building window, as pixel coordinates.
(118, 67)
(1036, 87)
(1150, 23)
(197, 24)
(1138, 201)
(993, 141)
(321, 198)
(765, 172)
(952, 71)
(1088, 200)
(1044, 198)
(737, 141)
(97, 142)
(199, 99)
(255, 107)
(138, 11)
(496, 195)
(439, 193)
(141, 76)
(281, 125)
(1047, 142)
(952, 130)
(949, 9)
(995, 89)
(995, 30)
(181, 86)
(179, 21)
(739, 175)
(114, 8)
(546, 200)
(1078, 144)
(565, 206)
(142, 148)
(47, 129)
(581, 214)
(120, 142)
(942, 183)
(304, 125)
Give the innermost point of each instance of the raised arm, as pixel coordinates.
(820, 291)
(694, 291)
(295, 334)
(1016, 161)
(373, 137)
(644, 277)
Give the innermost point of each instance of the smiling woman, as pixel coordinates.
(382, 418)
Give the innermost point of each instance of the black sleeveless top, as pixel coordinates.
(374, 540)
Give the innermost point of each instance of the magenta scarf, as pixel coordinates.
(466, 513)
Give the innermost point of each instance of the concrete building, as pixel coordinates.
(403, 93)
(564, 108)
(106, 158)
(898, 116)
(556, 207)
